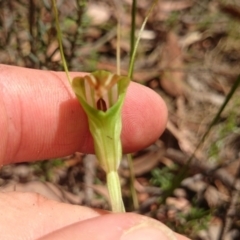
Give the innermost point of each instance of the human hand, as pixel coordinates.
(40, 118)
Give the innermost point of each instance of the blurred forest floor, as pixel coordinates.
(190, 55)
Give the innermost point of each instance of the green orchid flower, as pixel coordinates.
(101, 95)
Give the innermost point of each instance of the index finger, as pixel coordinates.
(41, 117)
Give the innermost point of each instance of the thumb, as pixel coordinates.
(115, 227)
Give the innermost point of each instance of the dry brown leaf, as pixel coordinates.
(102, 190)
(99, 13)
(178, 204)
(232, 10)
(147, 162)
(172, 65)
(165, 8)
(190, 38)
(46, 189)
(169, 6)
(213, 197)
(51, 51)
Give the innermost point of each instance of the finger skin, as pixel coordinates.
(41, 118)
(121, 226)
(110, 227)
(31, 216)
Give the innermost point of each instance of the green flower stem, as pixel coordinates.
(115, 194)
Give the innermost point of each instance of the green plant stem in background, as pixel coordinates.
(59, 36)
(118, 54)
(133, 50)
(132, 179)
(133, 28)
(118, 48)
(135, 46)
(129, 156)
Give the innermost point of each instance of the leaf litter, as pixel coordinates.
(190, 56)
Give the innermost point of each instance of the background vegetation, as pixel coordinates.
(190, 55)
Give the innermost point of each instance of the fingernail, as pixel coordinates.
(149, 229)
